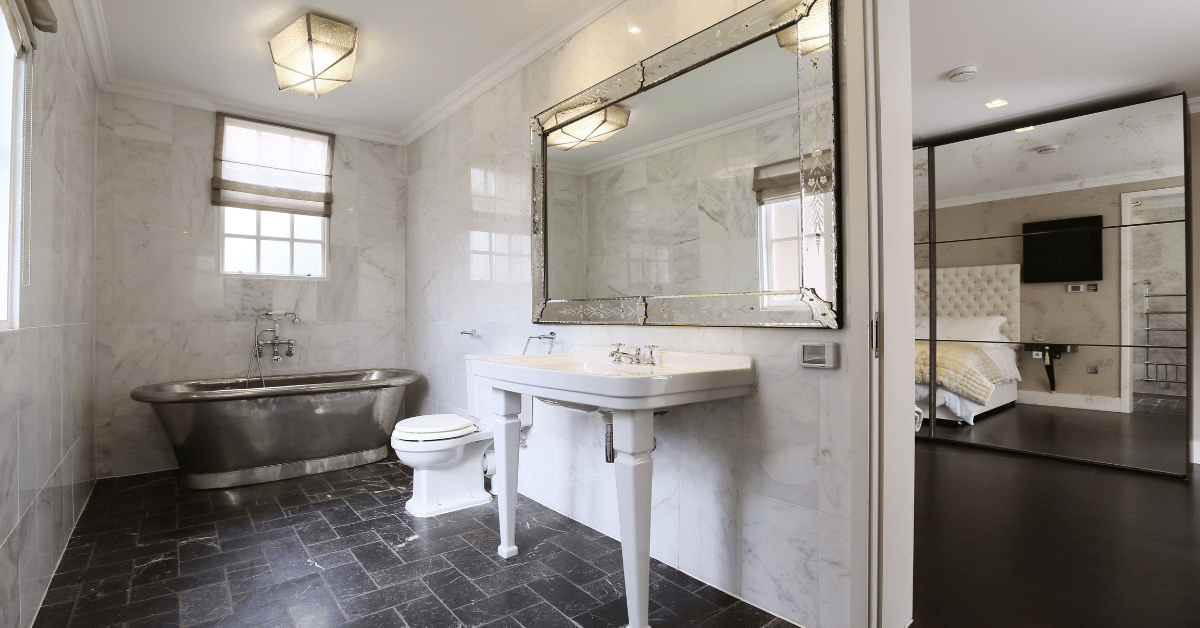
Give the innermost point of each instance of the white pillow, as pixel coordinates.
(965, 329)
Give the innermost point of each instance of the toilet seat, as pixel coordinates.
(433, 427)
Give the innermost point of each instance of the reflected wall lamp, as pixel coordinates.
(314, 55)
(590, 129)
(811, 34)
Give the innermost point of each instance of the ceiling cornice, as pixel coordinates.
(95, 37)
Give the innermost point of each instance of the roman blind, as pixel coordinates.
(778, 182)
(272, 167)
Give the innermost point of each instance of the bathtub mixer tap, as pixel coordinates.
(256, 351)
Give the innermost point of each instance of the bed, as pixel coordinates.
(966, 296)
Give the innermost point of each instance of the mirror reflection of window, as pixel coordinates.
(499, 257)
(780, 241)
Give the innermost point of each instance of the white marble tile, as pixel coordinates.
(132, 443)
(711, 542)
(377, 293)
(142, 184)
(10, 588)
(140, 356)
(665, 515)
(835, 571)
(781, 558)
(712, 449)
(141, 119)
(9, 439)
(141, 275)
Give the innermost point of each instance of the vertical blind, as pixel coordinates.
(273, 167)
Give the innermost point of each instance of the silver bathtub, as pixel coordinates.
(225, 434)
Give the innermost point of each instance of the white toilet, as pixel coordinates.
(449, 455)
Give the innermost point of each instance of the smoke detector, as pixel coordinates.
(1048, 149)
(962, 73)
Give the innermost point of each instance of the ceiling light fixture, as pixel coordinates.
(314, 55)
(809, 35)
(962, 73)
(590, 129)
(999, 102)
(1026, 128)
(634, 29)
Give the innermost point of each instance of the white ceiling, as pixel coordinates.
(1042, 55)
(417, 59)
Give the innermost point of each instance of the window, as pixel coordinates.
(500, 257)
(781, 248)
(11, 166)
(273, 184)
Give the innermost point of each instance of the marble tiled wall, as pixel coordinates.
(47, 466)
(163, 312)
(751, 494)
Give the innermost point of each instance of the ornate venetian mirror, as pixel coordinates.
(698, 186)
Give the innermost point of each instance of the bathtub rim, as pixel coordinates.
(156, 393)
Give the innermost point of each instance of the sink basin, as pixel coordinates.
(587, 376)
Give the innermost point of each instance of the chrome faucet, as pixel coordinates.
(625, 357)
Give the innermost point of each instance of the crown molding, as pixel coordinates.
(581, 13)
(96, 41)
(1066, 186)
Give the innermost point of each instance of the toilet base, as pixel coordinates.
(453, 485)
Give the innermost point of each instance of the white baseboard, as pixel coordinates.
(1062, 400)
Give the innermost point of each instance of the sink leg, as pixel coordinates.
(507, 434)
(633, 438)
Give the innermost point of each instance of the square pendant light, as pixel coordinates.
(590, 129)
(314, 55)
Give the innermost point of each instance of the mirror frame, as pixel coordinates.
(742, 309)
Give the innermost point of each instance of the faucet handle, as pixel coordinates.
(651, 347)
(618, 345)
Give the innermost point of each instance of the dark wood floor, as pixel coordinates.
(1008, 540)
(1144, 440)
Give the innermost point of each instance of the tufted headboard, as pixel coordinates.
(976, 291)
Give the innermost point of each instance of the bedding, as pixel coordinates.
(962, 368)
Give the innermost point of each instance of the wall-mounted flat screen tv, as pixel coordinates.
(1063, 251)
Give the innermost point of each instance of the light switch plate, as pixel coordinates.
(819, 355)
(1074, 287)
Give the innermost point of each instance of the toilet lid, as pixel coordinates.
(433, 427)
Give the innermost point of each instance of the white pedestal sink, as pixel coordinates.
(588, 378)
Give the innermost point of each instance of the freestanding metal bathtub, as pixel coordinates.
(226, 434)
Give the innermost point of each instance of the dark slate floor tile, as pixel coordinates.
(561, 594)
(131, 554)
(716, 596)
(415, 549)
(90, 574)
(573, 568)
(313, 531)
(248, 576)
(127, 612)
(375, 601)
(503, 622)
(101, 594)
(611, 562)
(155, 568)
(223, 559)
(428, 612)
(340, 514)
(472, 563)
(265, 512)
(739, 615)
(205, 603)
(511, 577)
(288, 559)
(682, 602)
(276, 592)
(315, 608)
(677, 577)
(380, 523)
(291, 521)
(453, 588)
(348, 580)
(376, 557)
(608, 588)
(257, 538)
(177, 584)
(333, 559)
(61, 595)
(410, 571)
(113, 541)
(383, 619)
(234, 528)
(585, 548)
(159, 523)
(506, 603)
(166, 620)
(273, 614)
(54, 615)
(199, 547)
(204, 529)
(291, 499)
(193, 509)
(663, 618)
(780, 622)
(335, 545)
(542, 616)
(362, 501)
(75, 558)
(216, 516)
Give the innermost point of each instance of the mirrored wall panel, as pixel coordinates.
(1053, 283)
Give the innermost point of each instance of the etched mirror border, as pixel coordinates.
(729, 309)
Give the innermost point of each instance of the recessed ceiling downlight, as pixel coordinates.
(962, 73)
(999, 102)
(1048, 149)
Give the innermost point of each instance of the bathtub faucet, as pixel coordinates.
(275, 340)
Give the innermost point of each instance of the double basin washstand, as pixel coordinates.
(225, 433)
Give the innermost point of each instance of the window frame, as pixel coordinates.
(258, 238)
(13, 239)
